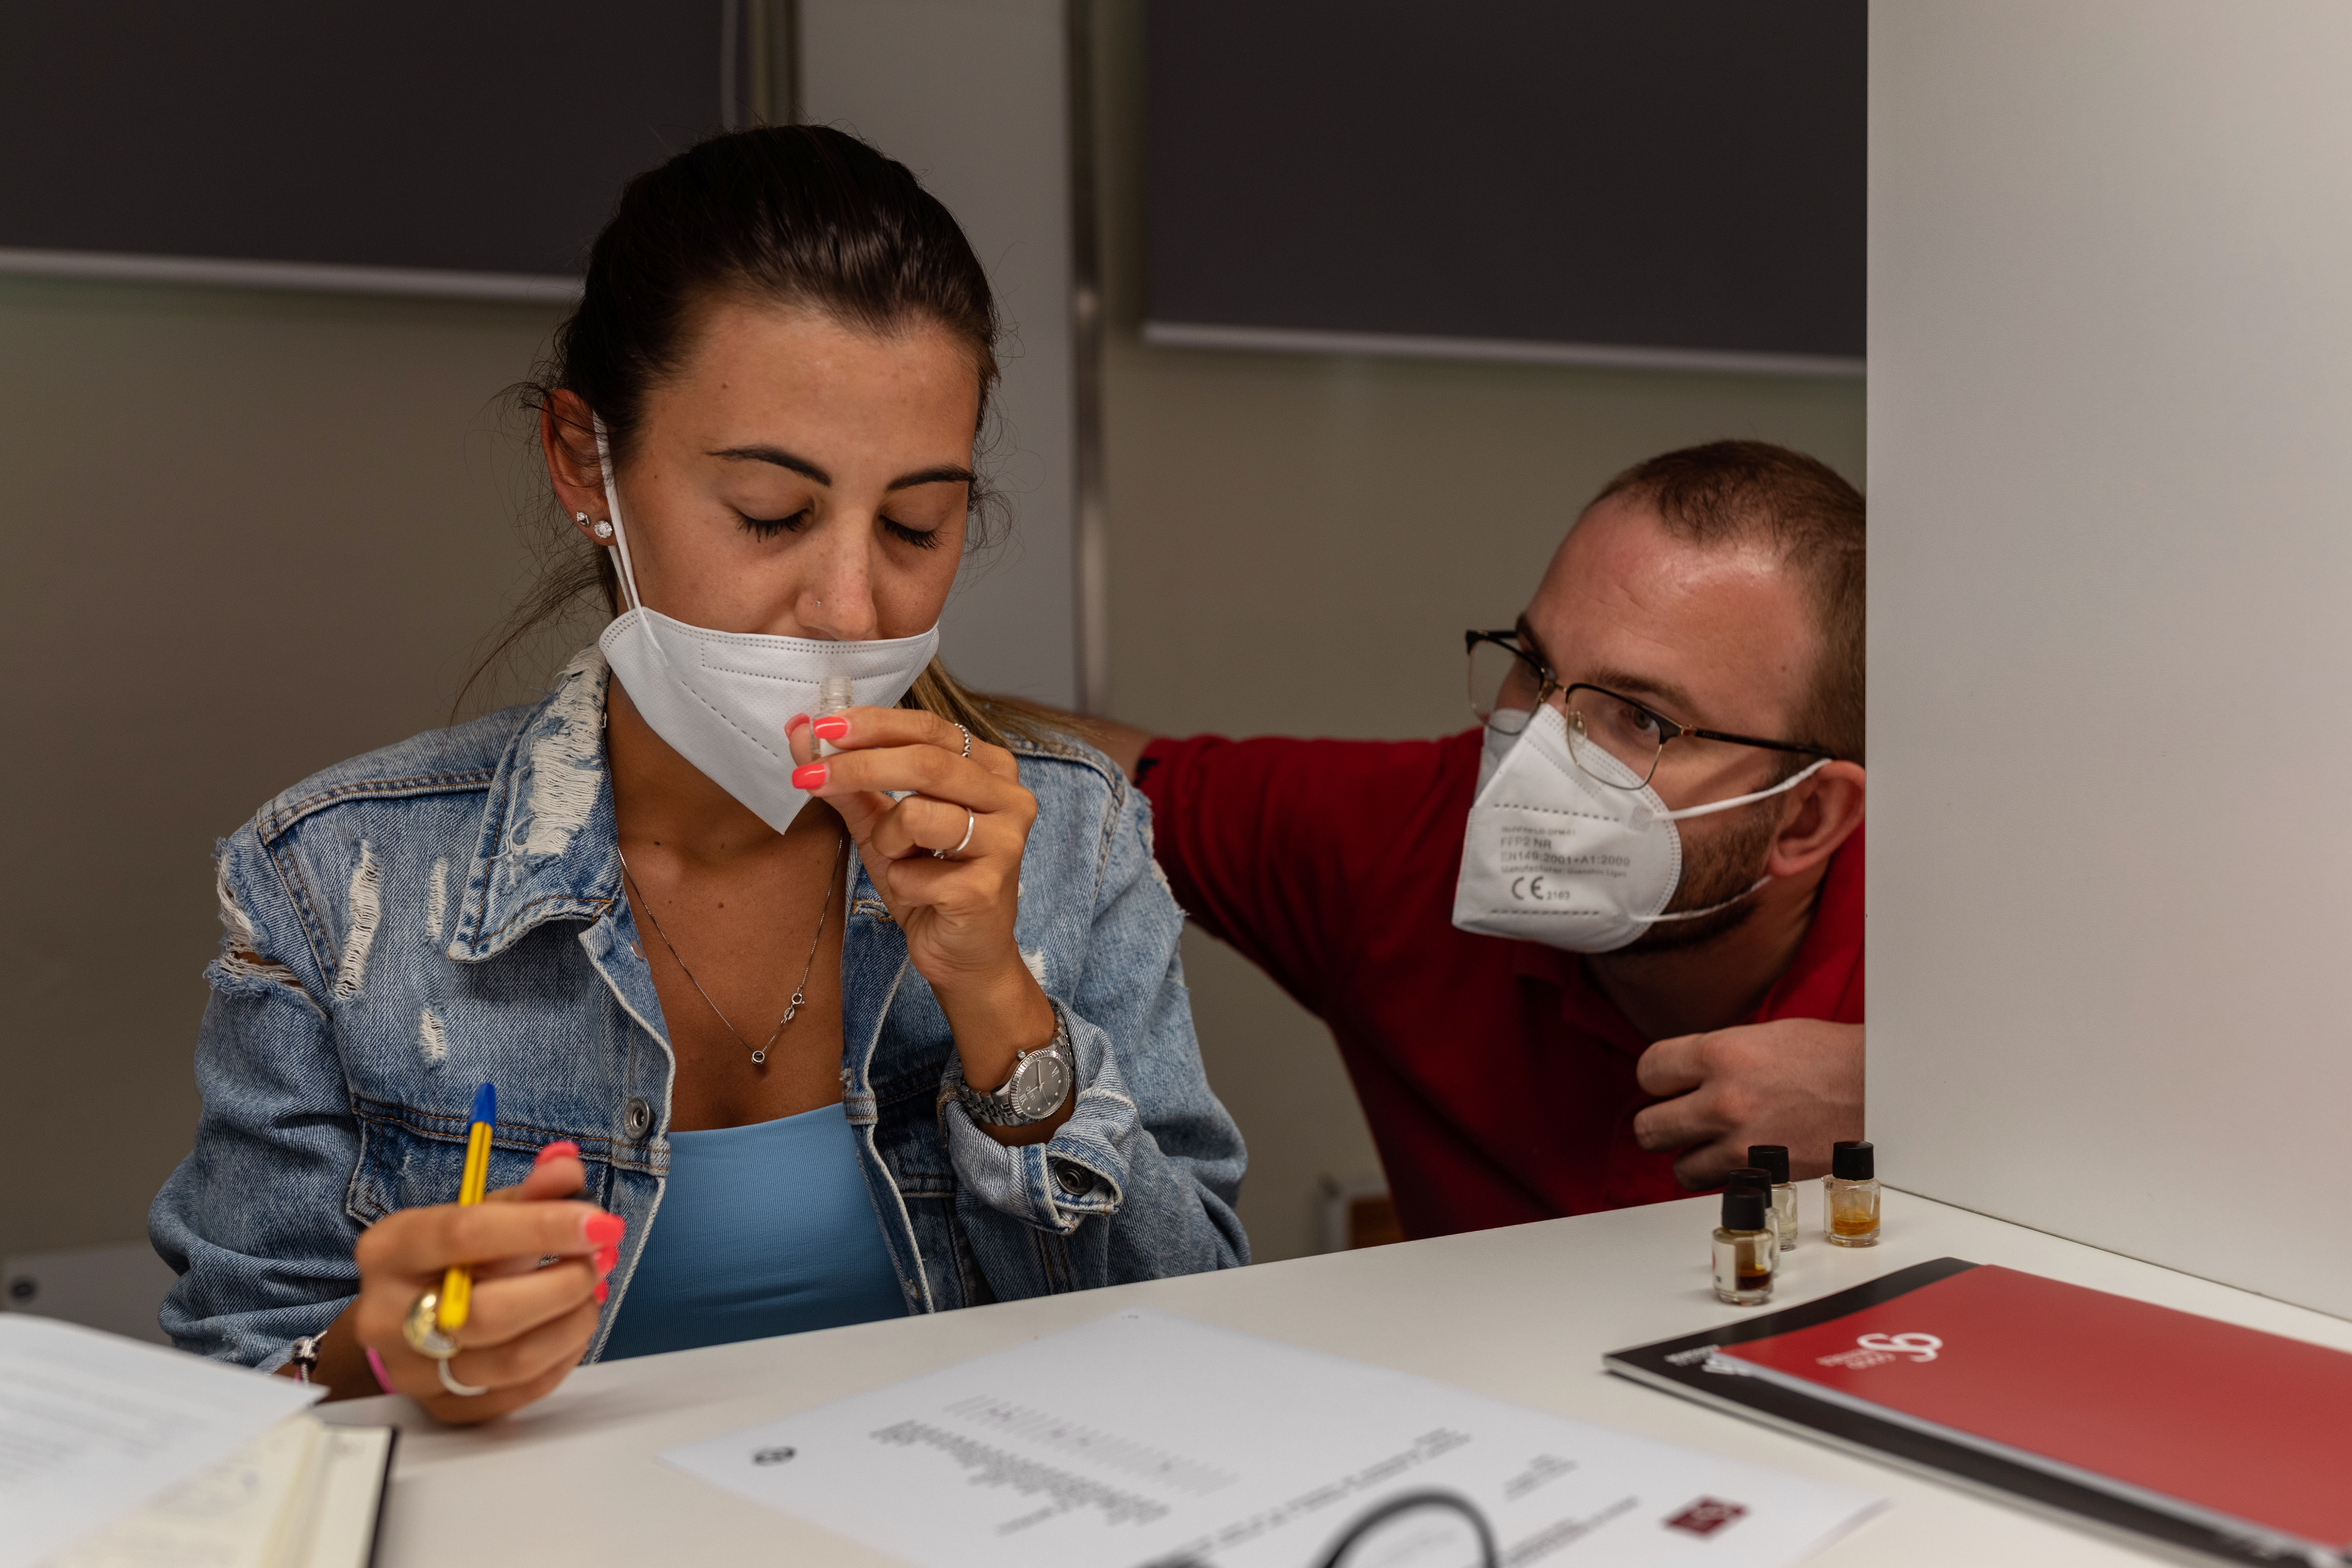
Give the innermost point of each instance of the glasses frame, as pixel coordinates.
(1380, 1514)
(1669, 730)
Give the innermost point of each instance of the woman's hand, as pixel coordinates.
(957, 912)
(530, 1322)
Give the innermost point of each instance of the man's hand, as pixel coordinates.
(1796, 1081)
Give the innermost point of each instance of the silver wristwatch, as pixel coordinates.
(1040, 1083)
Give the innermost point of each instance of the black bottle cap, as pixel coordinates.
(1770, 1158)
(1852, 1161)
(1743, 1208)
(1750, 1176)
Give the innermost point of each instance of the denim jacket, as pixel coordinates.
(407, 925)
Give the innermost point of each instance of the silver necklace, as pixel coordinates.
(800, 991)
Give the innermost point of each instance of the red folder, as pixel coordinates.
(2247, 1428)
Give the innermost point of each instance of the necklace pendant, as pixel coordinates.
(759, 1056)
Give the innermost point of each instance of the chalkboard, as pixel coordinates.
(474, 136)
(1683, 177)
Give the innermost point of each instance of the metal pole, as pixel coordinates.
(771, 40)
(1090, 533)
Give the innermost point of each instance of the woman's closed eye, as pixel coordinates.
(920, 538)
(768, 527)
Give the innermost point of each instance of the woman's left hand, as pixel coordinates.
(957, 906)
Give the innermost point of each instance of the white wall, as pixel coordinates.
(2111, 381)
(969, 94)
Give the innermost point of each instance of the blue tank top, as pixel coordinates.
(765, 1229)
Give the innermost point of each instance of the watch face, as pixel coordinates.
(1040, 1084)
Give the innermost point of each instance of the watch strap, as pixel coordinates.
(996, 1107)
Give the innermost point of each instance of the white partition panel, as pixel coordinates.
(2111, 654)
(972, 95)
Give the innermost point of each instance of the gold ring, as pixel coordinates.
(423, 1335)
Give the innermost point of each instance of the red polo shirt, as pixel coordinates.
(1497, 1079)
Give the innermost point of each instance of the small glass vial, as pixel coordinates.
(1850, 1193)
(832, 695)
(1773, 1159)
(1747, 1249)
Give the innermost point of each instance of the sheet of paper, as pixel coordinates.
(1149, 1439)
(347, 1492)
(301, 1495)
(237, 1513)
(92, 1426)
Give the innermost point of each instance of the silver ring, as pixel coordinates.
(970, 821)
(462, 1390)
(967, 738)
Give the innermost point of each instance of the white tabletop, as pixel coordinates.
(1523, 1313)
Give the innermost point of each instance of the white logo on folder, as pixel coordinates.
(1877, 1350)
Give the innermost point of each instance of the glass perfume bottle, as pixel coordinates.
(832, 695)
(1746, 1248)
(1773, 1159)
(1850, 1193)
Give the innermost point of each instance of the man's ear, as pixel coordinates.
(1823, 812)
(567, 434)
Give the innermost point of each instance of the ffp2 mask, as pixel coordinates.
(721, 698)
(1551, 854)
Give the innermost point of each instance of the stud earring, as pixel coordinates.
(603, 529)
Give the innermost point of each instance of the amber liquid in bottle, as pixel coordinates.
(1744, 1261)
(1853, 1212)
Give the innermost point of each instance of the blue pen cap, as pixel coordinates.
(485, 1105)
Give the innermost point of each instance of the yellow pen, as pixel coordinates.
(457, 1285)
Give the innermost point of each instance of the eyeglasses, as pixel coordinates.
(1425, 1529)
(1507, 684)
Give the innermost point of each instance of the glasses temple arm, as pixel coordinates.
(1751, 741)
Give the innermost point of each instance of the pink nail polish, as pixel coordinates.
(810, 777)
(555, 1151)
(832, 727)
(607, 1259)
(794, 722)
(603, 1229)
(603, 1290)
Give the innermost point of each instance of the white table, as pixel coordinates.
(1523, 1313)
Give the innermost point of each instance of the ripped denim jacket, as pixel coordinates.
(448, 910)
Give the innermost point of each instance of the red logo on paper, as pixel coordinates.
(1877, 1350)
(1707, 1515)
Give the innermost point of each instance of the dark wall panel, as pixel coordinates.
(1685, 174)
(475, 135)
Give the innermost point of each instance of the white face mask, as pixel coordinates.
(723, 698)
(1552, 855)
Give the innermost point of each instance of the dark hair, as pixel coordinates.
(789, 214)
(1729, 491)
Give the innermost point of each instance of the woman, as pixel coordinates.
(793, 1021)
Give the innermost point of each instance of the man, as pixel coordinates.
(1583, 955)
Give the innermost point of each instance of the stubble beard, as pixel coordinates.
(1718, 869)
